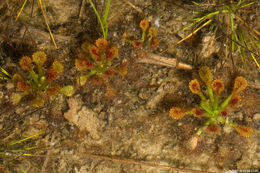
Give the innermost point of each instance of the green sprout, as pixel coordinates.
(241, 37)
(103, 22)
(213, 109)
(148, 39)
(40, 82)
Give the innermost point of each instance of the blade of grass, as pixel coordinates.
(246, 5)
(105, 16)
(5, 72)
(21, 9)
(48, 27)
(194, 32)
(99, 19)
(24, 139)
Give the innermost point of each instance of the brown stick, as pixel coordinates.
(133, 6)
(160, 60)
(127, 161)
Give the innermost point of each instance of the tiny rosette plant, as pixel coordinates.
(95, 61)
(39, 83)
(148, 39)
(212, 109)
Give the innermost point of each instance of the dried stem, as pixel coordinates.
(159, 60)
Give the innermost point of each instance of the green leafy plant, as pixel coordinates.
(242, 38)
(95, 61)
(103, 21)
(40, 82)
(148, 39)
(212, 109)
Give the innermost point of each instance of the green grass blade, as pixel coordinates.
(99, 19)
(105, 17)
(5, 72)
(252, 55)
(247, 4)
(24, 139)
(20, 11)
(195, 3)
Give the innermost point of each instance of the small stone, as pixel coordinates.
(256, 117)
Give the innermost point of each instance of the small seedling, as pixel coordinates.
(148, 39)
(40, 82)
(212, 109)
(96, 61)
(239, 36)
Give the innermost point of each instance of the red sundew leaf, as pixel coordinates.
(39, 58)
(82, 64)
(240, 84)
(195, 87)
(154, 43)
(206, 75)
(26, 63)
(244, 131)
(51, 74)
(101, 43)
(137, 44)
(123, 69)
(142, 54)
(96, 80)
(197, 112)
(234, 101)
(213, 129)
(177, 113)
(217, 86)
(53, 90)
(224, 113)
(23, 86)
(94, 51)
(144, 24)
(152, 31)
(111, 53)
(109, 73)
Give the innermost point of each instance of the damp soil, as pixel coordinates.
(130, 130)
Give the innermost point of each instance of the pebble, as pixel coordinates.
(256, 117)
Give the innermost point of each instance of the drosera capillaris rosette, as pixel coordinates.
(40, 83)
